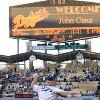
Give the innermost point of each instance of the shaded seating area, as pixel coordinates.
(49, 57)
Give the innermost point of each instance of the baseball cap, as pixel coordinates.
(50, 78)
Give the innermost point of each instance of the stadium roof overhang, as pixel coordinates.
(49, 57)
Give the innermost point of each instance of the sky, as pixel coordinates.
(8, 46)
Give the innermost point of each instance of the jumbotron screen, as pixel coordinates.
(55, 23)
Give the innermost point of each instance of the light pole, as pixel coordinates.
(18, 52)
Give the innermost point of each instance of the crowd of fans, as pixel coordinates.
(20, 82)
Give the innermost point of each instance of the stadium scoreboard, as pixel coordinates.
(56, 22)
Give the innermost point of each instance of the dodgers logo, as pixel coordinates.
(45, 88)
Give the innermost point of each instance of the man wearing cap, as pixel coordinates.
(47, 91)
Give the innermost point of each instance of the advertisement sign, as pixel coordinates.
(56, 47)
(55, 23)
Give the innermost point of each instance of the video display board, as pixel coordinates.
(55, 23)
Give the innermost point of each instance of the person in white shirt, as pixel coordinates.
(47, 91)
